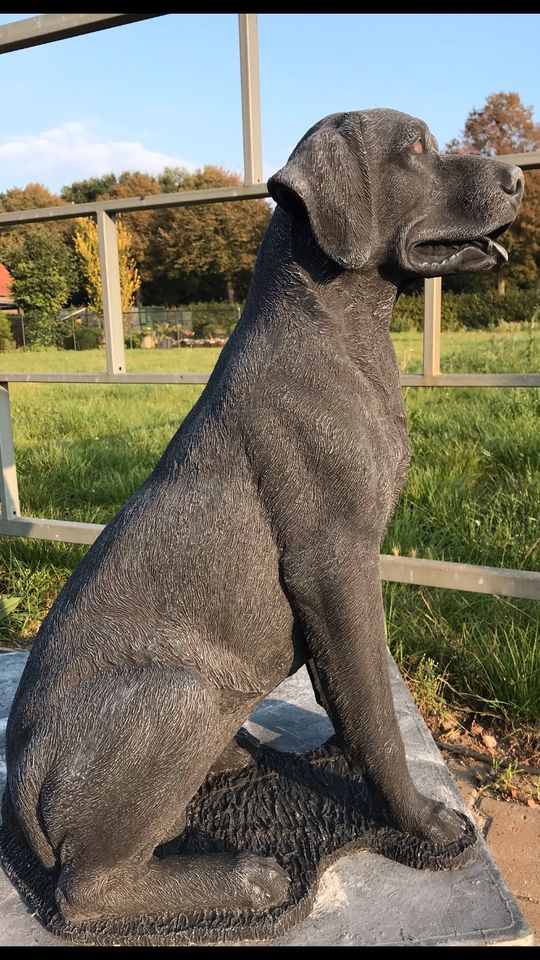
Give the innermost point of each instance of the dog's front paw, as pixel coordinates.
(435, 822)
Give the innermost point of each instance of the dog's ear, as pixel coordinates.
(327, 177)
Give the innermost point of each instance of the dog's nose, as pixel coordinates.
(511, 180)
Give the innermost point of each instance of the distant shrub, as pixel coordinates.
(489, 310)
(408, 313)
(6, 337)
(468, 310)
(213, 319)
(86, 338)
(42, 331)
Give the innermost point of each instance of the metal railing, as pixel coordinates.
(43, 29)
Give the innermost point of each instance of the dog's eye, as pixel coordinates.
(417, 147)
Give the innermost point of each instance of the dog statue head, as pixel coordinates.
(377, 193)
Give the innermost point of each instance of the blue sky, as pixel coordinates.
(167, 91)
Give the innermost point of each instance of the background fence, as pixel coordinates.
(163, 326)
(46, 28)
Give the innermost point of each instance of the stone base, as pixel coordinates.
(364, 898)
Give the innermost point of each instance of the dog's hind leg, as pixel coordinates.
(147, 737)
(240, 752)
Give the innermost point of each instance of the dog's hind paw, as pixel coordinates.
(262, 883)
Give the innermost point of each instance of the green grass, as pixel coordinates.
(472, 496)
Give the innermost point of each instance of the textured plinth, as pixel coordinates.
(364, 898)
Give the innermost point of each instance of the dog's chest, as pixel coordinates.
(356, 452)
(382, 450)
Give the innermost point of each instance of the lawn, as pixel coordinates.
(472, 495)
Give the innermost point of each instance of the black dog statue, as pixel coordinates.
(259, 531)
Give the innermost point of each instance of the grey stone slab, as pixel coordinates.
(364, 899)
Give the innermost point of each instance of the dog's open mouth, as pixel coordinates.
(433, 259)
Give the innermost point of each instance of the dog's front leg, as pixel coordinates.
(336, 590)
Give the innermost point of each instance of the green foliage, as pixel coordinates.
(502, 776)
(87, 246)
(206, 319)
(35, 572)
(173, 179)
(86, 338)
(7, 606)
(472, 496)
(468, 310)
(161, 331)
(28, 198)
(192, 253)
(42, 268)
(409, 313)
(6, 336)
(202, 252)
(86, 191)
(42, 332)
(213, 318)
(488, 309)
(428, 688)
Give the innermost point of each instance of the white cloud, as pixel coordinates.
(74, 151)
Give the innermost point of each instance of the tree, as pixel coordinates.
(43, 278)
(87, 247)
(140, 225)
(86, 191)
(108, 187)
(40, 260)
(200, 252)
(205, 251)
(174, 179)
(505, 125)
(31, 197)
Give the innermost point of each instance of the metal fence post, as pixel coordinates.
(251, 99)
(9, 492)
(432, 327)
(112, 299)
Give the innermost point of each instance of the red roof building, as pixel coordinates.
(6, 296)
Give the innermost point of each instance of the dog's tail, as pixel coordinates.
(21, 805)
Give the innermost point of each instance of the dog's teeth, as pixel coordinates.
(500, 248)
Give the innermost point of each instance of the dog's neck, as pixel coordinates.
(351, 307)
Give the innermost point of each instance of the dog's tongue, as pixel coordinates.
(500, 249)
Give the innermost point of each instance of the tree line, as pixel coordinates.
(167, 257)
(207, 252)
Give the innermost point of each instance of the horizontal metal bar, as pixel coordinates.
(406, 379)
(470, 380)
(37, 528)
(33, 31)
(430, 573)
(527, 161)
(104, 377)
(461, 576)
(132, 204)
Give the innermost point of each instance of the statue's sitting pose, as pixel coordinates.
(257, 537)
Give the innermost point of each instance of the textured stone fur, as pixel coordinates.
(253, 546)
